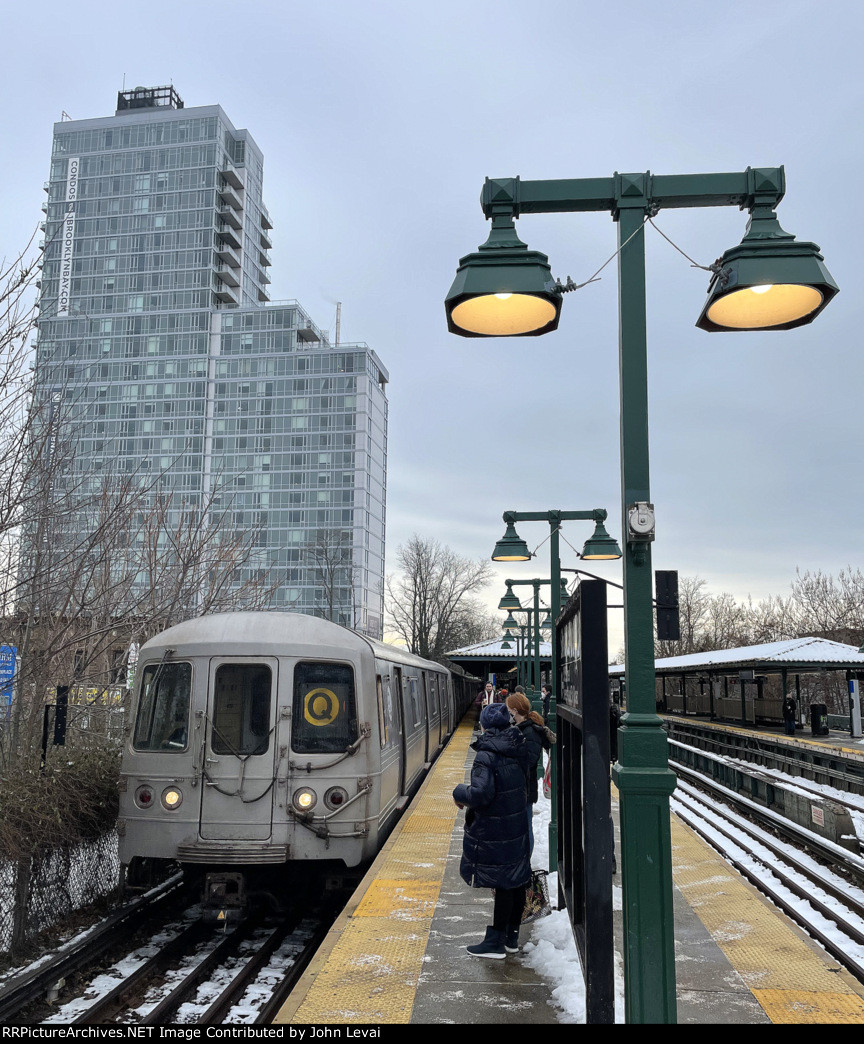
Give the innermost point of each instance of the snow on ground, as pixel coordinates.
(551, 951)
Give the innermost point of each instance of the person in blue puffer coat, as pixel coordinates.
(495, 852)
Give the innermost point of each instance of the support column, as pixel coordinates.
(642, 773)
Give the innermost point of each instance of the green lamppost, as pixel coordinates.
(768, 282)
(512, 548)
(512, 603)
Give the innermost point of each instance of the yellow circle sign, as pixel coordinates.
(320, 707)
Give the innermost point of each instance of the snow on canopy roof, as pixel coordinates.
(803, 653)
(492, 648)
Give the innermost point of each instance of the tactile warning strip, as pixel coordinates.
(788, 977)
(374, 953)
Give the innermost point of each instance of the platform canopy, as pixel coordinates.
(485, 658)
(796, 655)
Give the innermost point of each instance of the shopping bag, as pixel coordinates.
(537, 897)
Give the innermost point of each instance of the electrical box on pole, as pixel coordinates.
(666, 587)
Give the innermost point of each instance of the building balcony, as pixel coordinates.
(264, 259)
(226, 293)
(229, 215)
(228, 234)
(308, 334)
(229, 195)
(262, 294)
(232, 176)
(226, 252)
(265, 218)
(228, 275)
(266, 241)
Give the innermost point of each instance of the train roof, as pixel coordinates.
(266, 634)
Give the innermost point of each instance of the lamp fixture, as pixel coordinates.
(503, 289)
(600, 546)
(767, 282)
(511, 547)
(509, 600)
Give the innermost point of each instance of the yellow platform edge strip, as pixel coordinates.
(791, 980)
(372, 957)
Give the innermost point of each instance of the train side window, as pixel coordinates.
(415, 701)
(391, 710)
(163, 708)
(241, 709)
(324, 715)
(382, 717)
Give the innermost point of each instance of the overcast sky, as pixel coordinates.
(380, 119)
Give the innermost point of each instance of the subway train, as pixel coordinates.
(263, 739)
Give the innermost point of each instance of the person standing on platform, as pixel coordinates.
(495, 850)
(537, 739)
(546, 689)
(790, 711)
(487, 696)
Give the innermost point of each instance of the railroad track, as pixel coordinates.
(205, 973)
(816, 896)
(187, 973)
(45, 976)
(842, 770)
(195, 973)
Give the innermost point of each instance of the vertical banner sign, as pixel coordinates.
(7, 673)
(585, 827)
(67, 240)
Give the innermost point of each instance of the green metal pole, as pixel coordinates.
(555, 574)
(536, 680)
(642, 773)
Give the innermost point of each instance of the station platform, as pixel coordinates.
(397, 953)
(834, 739)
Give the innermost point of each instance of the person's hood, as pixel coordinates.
(506, 742)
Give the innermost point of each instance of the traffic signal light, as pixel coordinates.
(666, 588)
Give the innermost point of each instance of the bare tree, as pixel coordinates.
(93, 562)
(692, 611)
(828, 607)
(332, 552)
(428, 599)
(820, 605)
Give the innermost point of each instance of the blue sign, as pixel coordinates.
(7, 672)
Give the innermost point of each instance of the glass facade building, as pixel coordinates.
(157, 333)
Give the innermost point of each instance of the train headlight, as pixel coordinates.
(144, 797)
(335, 797)
(305, 799)
(172, 798)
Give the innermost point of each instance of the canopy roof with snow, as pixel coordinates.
(485, 658)
(796, 655)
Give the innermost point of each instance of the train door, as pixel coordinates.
(239, 754)
(403, 739)
(434, 712)
(389, 728)
(427, 711)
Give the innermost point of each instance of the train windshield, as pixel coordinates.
(163, 707)
(324, 718)
(241, 709)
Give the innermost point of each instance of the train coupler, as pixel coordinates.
(224, 899)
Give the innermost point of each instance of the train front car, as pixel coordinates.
(251, 746)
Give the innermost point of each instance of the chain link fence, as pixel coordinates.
(38, 891)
